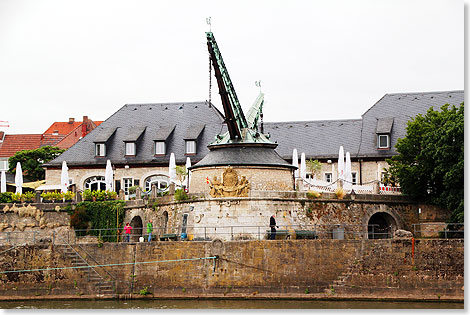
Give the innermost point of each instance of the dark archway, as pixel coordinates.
(165, 222)
(381, 225)
(136, 224)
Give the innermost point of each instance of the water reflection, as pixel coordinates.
(224, 304)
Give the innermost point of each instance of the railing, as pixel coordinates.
(236, 232)
(439, 230)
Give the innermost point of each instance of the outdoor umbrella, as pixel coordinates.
(295, 162)
(303, 166)
(64, 177)
(347, 173)
(108, 176)
(19, 178)
(3, 187)
(172, 168)
(341, 163)
(188, 165)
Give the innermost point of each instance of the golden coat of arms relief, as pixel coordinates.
(231, 185)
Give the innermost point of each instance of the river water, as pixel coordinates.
(222, 304)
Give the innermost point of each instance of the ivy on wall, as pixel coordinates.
(98, 218)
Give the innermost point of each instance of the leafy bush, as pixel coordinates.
(133, 189)
(69, 195)
(111, 195)
(87, 195)
(100, 215)
(79, 219)
(311, 194)
(100, 195)
(340, 193)
(28, 196)
(16, 197)
(181, 195)
(6, 197)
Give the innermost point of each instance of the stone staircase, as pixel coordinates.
(102, 286)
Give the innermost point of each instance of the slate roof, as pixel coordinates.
(183, 115)
(402, 107)
(258, 155)
(14, 143)
(318, 139)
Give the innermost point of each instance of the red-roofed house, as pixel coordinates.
(66, 134)
(10, 144)
(59, 134)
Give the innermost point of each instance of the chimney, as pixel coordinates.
(85, 126)
(85, 119)
(71, 120)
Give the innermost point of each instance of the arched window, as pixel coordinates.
(161, 181)
(95, 183)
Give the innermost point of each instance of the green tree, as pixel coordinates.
(313, 167)
(181, 173)
(430, 163)
(32, 161)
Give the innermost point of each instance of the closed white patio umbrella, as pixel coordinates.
(295, 162)
(19, 179)
(303, 166)
(341, 163)
(64, 177)
(172, 168)
(188, 165)
(348, 173)
(108, 176)
(3, 180)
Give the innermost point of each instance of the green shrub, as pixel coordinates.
(144, 291)
(181, 195)
(87, 195)
(111, 195)
(100, 195)
(312, 194)
(28, 196)
(16, 197)
(133, 189)
(6, 197)
(69, 195)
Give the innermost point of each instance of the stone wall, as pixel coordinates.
(234, 218)
(34, 223)
(370, 268)
(260, 178)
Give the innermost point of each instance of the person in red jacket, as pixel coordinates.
(127, 232)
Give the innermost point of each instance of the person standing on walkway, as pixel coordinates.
(127, 231)
(149, 229)
(272, 224)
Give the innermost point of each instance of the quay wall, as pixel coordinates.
(371, 268)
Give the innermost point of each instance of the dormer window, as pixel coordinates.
(383, 131)
(191, 136)
(383, 141)
(130, 148)
(160, 148)
(100, 149)
(190, 146)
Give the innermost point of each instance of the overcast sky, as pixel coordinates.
(315, 59)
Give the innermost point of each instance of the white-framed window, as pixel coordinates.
(329, 177)
(354, 178)
(95, 183)
(127, 183)
(130, 148)
(3, 165)
(160, 148)
(383, 141)
(161, 181)
(100, 149)
(190, 146)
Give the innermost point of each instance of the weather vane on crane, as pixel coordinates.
(208, 21)
(258, 84)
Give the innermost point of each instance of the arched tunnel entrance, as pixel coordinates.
(381, 225)
(136, 224)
